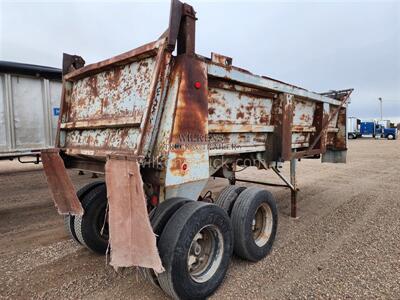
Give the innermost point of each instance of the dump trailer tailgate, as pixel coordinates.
(107, 106)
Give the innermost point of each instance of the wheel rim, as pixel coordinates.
(262, 225)
(205, 253)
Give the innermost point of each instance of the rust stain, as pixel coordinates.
(306, 118)
(179, 166)
(240, 115)
(211, 110)
(264, 119)
(191, 116)
(92, 83)
(113, 78)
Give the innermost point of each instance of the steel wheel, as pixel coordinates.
(205, 253)
(262, 225)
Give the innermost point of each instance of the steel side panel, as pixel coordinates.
(114, 95)
(238, 122)
(119, 92)
(28, 100)
(111, 139)
(237, 75)
(230, 107)
(3, 121)
(303, 114)
(189, 162)
(25, 115)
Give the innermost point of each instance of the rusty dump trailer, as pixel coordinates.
(159, 126)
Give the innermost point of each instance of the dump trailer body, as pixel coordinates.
(175, 121)
(146, 103)
(29, 108)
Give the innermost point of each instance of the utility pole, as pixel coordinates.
(380, 100)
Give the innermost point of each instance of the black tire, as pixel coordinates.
(159, 217)
(351, 136)
(185, 226)
(69, 219)
(228, 196)
(253, 241)
(88, 227)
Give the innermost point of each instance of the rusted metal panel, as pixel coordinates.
(300, 140)
(303, 113)
(115, 106)
(221, 59)
(234, 143)
(340, 135)
(245, 77)
(119, 92)
(343, 96)
(287, 123)
(108, 139)
(157, 86)
(137, 54)
(187, 29)
(188, 160)
(227, 108)
(334, 119)
(132, 240)
(60, 184)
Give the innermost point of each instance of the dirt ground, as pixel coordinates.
(346, 243)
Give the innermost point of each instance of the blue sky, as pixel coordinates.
(319, 45)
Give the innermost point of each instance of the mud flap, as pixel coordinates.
(61, 187)
(132, 240)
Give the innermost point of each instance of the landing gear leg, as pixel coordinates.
(293, 192)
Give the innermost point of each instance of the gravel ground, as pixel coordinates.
(346, 243)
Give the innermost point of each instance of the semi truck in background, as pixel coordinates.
(377, 129)
(382, 129)
(29, 108)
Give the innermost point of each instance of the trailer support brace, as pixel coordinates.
(293, 191)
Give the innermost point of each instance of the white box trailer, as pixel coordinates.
(29, 109)
(353, 130)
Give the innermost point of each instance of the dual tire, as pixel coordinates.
(195, 239)
(198, 239)
(91, 229)
(254, 217)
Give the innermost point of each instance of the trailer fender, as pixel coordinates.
(61, 188)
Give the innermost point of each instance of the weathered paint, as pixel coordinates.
(188, 159)
(119, 92)
(303, 113)
(228, 107)
(243, 76)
